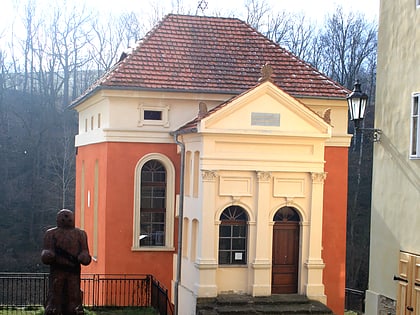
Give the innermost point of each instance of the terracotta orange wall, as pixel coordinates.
(89, 155)
(117, 165)
(334, 227)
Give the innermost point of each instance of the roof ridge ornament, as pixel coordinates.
(266, 73)
(202, 5)
(202, 109)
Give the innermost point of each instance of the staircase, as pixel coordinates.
(286, 304)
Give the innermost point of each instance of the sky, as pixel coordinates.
(314, 10)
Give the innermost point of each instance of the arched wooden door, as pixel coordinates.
(285, 262)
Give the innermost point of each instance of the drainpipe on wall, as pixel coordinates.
(180, 222)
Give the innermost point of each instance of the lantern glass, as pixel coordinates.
(357, 103)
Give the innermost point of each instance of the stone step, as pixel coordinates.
(286, 304)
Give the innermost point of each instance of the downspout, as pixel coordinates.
(180, 222)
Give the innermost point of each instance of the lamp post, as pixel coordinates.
(357, 101)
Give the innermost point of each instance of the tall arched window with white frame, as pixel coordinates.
(154, 203)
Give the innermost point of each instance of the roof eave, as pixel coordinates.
(129, 88)
(320, 97)
(206, 91)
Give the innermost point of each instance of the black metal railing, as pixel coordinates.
(116, 290)
(355, 300)
(23, 289)
(160, 299)
(29, 290)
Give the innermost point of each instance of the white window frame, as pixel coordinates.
(415, 127)
(232, 250)
(170, 204)
(164, 121)
(417, 4)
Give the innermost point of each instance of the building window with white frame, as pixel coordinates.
(153, 115)
(415, 127)
(153, 195)
(233, 234)
(154, 203)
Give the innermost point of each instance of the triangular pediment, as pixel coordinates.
(265, 109)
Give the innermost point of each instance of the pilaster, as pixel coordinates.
(261, 266)
(314, 288)
(206, 262)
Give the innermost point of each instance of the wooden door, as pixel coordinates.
(415, 298)
(408, 295)
(285, 257)
(404, 273)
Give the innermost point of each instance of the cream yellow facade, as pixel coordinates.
(120, 115)
(395, 220)
(116, 115)
(261, 169)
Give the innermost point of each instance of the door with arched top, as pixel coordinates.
(285, 261)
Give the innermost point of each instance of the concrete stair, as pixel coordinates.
(285, 304)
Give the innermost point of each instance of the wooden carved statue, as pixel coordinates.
(65, 249)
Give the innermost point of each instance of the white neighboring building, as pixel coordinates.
(395, 222)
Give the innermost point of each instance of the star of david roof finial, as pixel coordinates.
(202, 5)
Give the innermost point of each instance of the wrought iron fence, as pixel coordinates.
(355, 300)
(23, 289)
(29, 290)
(160, 300)
(116, 290)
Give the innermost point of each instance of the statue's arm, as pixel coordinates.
(84, 257)
(48, 255)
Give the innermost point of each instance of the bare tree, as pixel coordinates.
(348, 41)
(71, 36)
(300, 39)
(256, 11)
(61, 162)
(279, 27)
(131, 29)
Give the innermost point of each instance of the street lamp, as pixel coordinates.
(357, 104)
(357, 101)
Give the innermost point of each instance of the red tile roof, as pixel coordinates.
(212, 54)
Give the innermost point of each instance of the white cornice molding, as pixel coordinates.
(339, 141)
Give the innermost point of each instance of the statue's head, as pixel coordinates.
(65, 219)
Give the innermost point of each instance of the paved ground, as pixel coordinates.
(270, 305)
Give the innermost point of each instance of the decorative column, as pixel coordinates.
(314, 288)
(206, 263)
(261, 265)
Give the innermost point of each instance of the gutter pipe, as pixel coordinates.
(180, 222)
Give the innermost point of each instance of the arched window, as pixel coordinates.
(233, 234)
(154, 202)
(286, 214)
